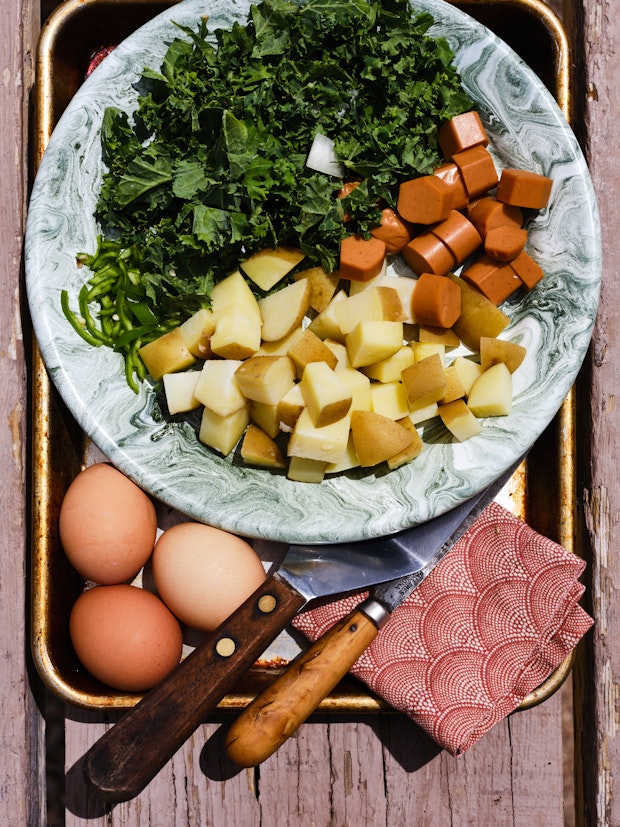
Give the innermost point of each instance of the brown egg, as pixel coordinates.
(125, 636)
(203, 573)
(107, 525)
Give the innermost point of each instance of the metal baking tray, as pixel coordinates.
(541, 492)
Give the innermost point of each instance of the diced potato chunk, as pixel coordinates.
(309, 348)
(359, 385)
(222, 432)
(491, 393)
(468, 371)
(323, 286)
(389, 399)
(390, 369)
(326, 325)
(325, 396)
(380, 303)
(377, 438)
(371, 341)
(266, 378)
(234, 291)
(454, 386)
(259, 449)
(266, 417)
(411, 451)
(282, 346)
(289, 408)
(459, 420)
(327, 444)
(479, 316)
(423, 414)
(237, 334)
(494, 350)
(166, 354)
(421, 350)
(340, 352)
(348, 461)
(267, 267)
(197, 331)
(180, 391)
(425, 382)
(284, 310)
(302, 469)
(217, 386)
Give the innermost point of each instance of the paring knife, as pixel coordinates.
(125, 759)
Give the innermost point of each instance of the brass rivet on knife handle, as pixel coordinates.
(131, 753)
(277, 712)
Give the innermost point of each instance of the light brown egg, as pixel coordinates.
(125, 636)
(107, 525)
(203, 573)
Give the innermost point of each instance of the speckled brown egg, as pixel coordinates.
(203, 573)
(107, 525)
(125, 636)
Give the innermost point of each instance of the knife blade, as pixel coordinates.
(277, 712)
(129, 755)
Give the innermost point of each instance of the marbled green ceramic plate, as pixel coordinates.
(554, 321)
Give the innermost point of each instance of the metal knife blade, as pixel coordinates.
(274, 715)
(128, 756)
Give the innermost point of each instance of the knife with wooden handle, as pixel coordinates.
(274, 715)
(131, 753)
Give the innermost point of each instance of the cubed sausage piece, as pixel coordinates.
(424, 200)
(449, 172)
(504, 243)
(462, 132)
(436, 301)
(477, 169)
(361, 259)
(393, 230)
(495, 280)
(427, 253)
(459, 235)
(523, 188)
(527, 270)
(487, 213)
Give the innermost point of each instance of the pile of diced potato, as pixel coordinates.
(334, 371)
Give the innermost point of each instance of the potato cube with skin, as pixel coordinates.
(327, 444)
(479, 316)
(459, 420)
(234, 290)
(371, 341)
(166, 354)
(284, 310)
(381, 303)
(222, 433)
(494, 350)
(454, 387)
(326, 325)
(267, 267)
(359, 385)
(323, 286)
(377, 437)
(390, 369)
(424, 414)
(411, 451)
(302, 469)
(309, 348)
(438, 336)
(425, 382)
(282, 346)
(266, 378)
(289, 408)
(468, 371)
(325, 396)
(266, 417)
(491, 393)
(237, 334)
(389, 399)
(340, 352)
(180, 391)
(422, 350)
(258, 448)
(404, 286)
(217, 386)
(197, 332)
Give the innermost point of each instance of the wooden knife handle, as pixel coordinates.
(276, 713)
(131, 753)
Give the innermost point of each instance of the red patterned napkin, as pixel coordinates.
(487, 626)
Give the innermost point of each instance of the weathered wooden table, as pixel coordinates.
(371, 769)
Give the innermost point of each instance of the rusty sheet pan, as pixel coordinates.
(542, 491)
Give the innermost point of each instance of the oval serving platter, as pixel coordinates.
(554, 322)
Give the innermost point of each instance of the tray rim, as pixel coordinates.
(346, 698)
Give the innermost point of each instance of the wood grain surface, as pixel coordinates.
(377, 769)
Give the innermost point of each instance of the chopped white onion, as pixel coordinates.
(322, 157)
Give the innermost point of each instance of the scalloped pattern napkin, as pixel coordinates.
(487, 626)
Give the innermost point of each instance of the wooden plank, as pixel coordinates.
(22, 799)
(595, 28)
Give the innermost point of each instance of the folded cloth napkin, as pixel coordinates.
(487, 626)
